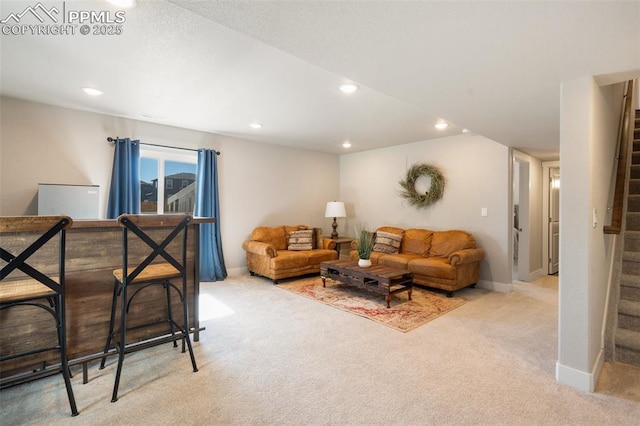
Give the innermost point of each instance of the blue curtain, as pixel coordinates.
(124, 193)
(207, 204)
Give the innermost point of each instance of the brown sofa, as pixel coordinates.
(287, 251)
(448, 260)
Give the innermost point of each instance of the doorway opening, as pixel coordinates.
(516, 219)
(554, 220)
(551, 211)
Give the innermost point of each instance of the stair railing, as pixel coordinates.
(623, 157)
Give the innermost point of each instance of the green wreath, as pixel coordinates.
(409, 185)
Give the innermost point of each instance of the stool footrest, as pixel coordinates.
(149, 324)
(155, 341)
(30, 376)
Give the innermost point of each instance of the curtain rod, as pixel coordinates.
(113, 140)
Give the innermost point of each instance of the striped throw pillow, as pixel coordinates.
(301, 240)
(386, 242)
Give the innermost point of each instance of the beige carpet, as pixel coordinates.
(402, 315)
(620, 380)
(271, 357)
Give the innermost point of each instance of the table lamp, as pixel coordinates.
(335, 209)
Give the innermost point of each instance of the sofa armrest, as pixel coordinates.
(260, 248)
(328, 244)
(466, 256)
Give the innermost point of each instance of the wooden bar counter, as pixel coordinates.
(93, 251)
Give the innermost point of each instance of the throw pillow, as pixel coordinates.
(318, 242)
(301, 240)
(387, 242)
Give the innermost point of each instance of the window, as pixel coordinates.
(159, 168)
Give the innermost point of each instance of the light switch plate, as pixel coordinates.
(484, 212)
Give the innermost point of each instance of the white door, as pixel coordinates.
(554, 220)
(520, 231)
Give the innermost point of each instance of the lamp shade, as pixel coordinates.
(335, 209)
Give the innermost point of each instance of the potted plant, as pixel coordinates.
(364, 246)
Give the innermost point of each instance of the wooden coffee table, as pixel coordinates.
(377, 278)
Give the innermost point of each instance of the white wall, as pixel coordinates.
(259, 184)
(477, 174)
(589, 122)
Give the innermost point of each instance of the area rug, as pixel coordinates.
(403, 315)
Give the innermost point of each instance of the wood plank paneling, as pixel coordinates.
(92, 253)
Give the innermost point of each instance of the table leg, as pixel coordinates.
(324, 281)
(410, 291)
(196, 285)
(388, 299)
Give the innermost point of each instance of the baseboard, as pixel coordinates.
(537, 274)
(495, 286)
(597, 369)
(581, 380)
(238, 271)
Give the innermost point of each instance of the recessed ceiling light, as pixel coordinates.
(441, 125)
(255, 125)
(465, 130)
(346, 144)
(91, 91)
(348, 87)
(127, 4)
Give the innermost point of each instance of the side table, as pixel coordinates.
(340, 241)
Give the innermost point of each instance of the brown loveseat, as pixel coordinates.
(287, 251)
(448, 260)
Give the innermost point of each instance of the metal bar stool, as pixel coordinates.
(146, 274)
(35, 288)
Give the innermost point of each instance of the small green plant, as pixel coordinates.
(364, 243)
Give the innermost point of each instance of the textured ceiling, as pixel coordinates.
(493, 67)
